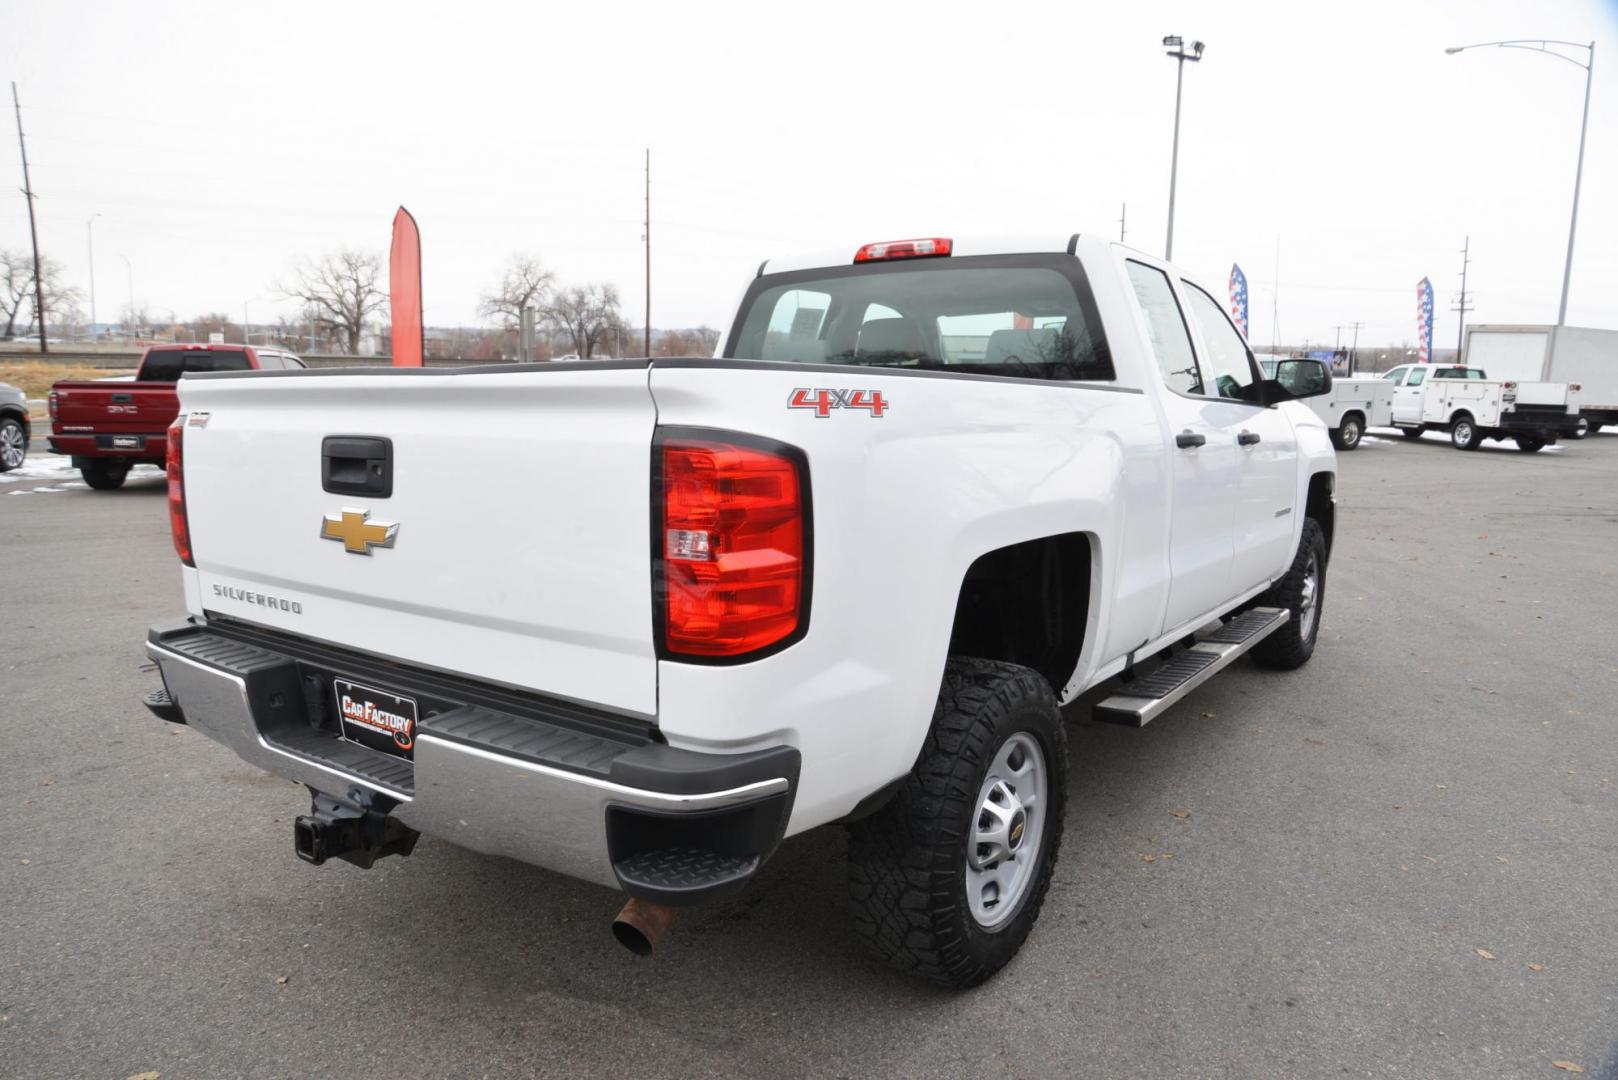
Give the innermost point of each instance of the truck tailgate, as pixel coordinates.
(114, 406)
(520, 548)
(1542, 393)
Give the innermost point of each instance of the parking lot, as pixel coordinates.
(1401, 860)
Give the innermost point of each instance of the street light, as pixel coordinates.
(129, 266)
(90, 240)
(1174, 45)
(1539, 45)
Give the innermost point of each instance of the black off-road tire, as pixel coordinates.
(1530, 446)
(1412, 432)
(1465, 433)
(1347, 435)
(907, 862)
(104, 475)
(1291, 646)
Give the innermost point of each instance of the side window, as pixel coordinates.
(1396, 376)
(1228, 364)
(1171, 342)
(1417, 376)
(268, 361)
(293, 363)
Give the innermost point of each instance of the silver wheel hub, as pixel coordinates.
(11, 445)
(1003, 849)
(1309, 597)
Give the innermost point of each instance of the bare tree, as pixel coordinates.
(215, 322)
(526, 284)
(703, 340)
(342, 292)
(17, 289)
(584, 314)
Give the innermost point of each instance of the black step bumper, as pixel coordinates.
(578, 790)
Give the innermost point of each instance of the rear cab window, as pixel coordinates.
(167, 365)
(1017, 316)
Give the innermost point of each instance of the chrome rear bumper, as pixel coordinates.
(553, 814)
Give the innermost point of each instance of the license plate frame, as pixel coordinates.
(128, 442)
(382, 720)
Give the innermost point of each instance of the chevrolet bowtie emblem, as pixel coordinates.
(357, 534)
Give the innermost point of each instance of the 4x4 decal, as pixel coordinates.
(824, 401)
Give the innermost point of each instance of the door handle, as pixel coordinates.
(1185, 440)
(1247, 438)
(122, 399)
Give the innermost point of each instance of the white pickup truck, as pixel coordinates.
(637, 620)
(1352, 405)
(1472, 407)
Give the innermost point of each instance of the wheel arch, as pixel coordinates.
(1030, 603)
(1320, 503)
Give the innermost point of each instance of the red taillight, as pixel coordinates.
(903, 249)
(733, 546)
(51, 404)
(176, 469)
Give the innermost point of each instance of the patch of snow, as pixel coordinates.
(39, 467)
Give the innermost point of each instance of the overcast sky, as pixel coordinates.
(223, 142)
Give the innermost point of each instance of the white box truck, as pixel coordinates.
(1565, 354)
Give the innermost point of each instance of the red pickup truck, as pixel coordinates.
(109, 425)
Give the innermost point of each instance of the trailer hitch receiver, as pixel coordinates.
(335, 830)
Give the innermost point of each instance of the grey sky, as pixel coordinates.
(222, 142)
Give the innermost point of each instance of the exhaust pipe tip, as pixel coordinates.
(641, 925)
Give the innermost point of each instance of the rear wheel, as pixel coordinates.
(1301, 591)
(1583, 428)
(1348, 433)
(947, 879)
(13, 444)
(104, 475)
(1530, 446)
(1465, 434)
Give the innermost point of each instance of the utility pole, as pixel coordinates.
(1123, 215)
(648, 238)
(1275, 300)
(33, 233)
(1461, 306)
(1354, 349)
(90, 241)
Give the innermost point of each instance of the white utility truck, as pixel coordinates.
(1578, 355)
(1465, 402)
(844, 571)
(1352, 405)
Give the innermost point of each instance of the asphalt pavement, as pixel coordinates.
(1401, 860)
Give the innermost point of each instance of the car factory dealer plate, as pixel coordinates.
(376, 718)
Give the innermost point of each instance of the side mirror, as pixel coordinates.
(1298, 378)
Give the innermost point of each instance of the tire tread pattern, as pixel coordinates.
(906, 862)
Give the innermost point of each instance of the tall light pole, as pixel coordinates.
(90, 241)
(1174, 45)
(1542, 45)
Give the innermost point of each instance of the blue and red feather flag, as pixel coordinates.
(1424, 321)
(1238, 298)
